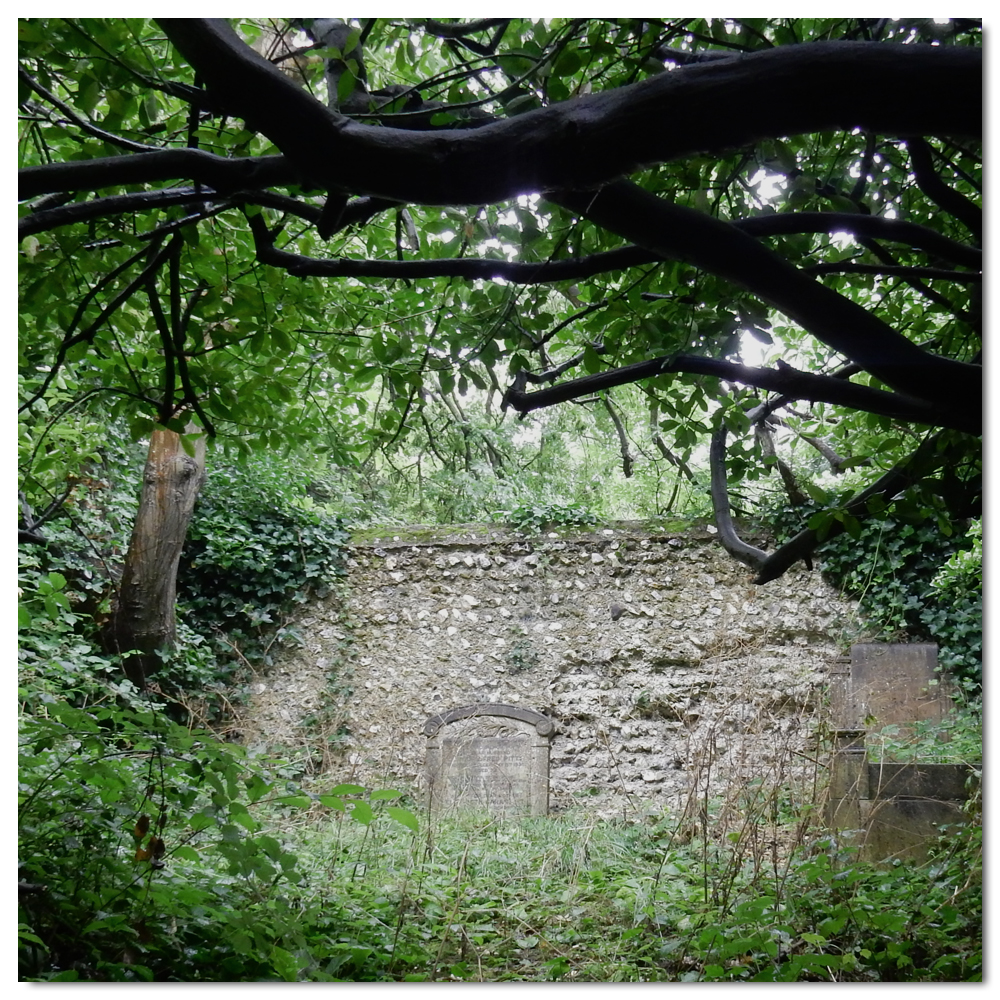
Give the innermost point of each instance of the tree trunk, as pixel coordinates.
(143, 621)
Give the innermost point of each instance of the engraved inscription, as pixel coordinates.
(489, 757)
(487, 771)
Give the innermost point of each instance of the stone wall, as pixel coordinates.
(663, 666)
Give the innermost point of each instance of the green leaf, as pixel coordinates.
(362, 812)
(284, 964)
(295, 801)
(404, 816)
(816, 492)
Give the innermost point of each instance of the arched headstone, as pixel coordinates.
(489, 757)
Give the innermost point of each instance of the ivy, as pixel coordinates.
(918, 577)
(256, 548)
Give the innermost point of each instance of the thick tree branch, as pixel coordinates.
(954, 203)
(787, 380)
(219, 172)
(925, 460)
(442, 30)
(680, 233)
(590, 140)
(731, 541)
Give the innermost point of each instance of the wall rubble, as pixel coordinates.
(661, 663)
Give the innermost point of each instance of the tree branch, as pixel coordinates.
(896, 271)
(588, 141)
(628, 462)
(680, 233)
(731, 541)
(786, 380)
(219, 172)
(925, 460)
(621, 259)
(85, 126)
(954, 203)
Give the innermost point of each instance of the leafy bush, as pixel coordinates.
(257, 546)
(955, 739)
(143, 856)
(544, 516)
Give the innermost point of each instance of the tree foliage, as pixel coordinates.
(310, 233)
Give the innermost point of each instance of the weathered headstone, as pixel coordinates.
(489, 757)
(888, 683)
(892, 810)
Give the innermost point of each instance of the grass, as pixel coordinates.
(264, 880)
(573, 898)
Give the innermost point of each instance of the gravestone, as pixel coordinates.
(489, 757)
(891, 810)
(888, 683)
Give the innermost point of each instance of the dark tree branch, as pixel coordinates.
(925, 460)
(953, 202)
(85, 126)
(30, 532)
(897, 271)
(861, 226)
(858, 191)
(140, 201)
(519, 272)
(551, 374)
(219, 172)
(787, 380)
(442, 30)
(680, 233)
(657, 438)
(166, 407)
(587, 141)
(683, 57)
(356, 212)
(731, 541)
(455, 267)
(915, 283)
(628, 462)
(764, 433)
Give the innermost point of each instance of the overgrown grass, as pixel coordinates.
(160, 856)
(572, 898)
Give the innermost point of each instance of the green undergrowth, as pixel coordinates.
(148, 852)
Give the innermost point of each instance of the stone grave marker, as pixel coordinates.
(889, 683)
(489, 757)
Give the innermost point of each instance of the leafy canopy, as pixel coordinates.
(306, 233)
